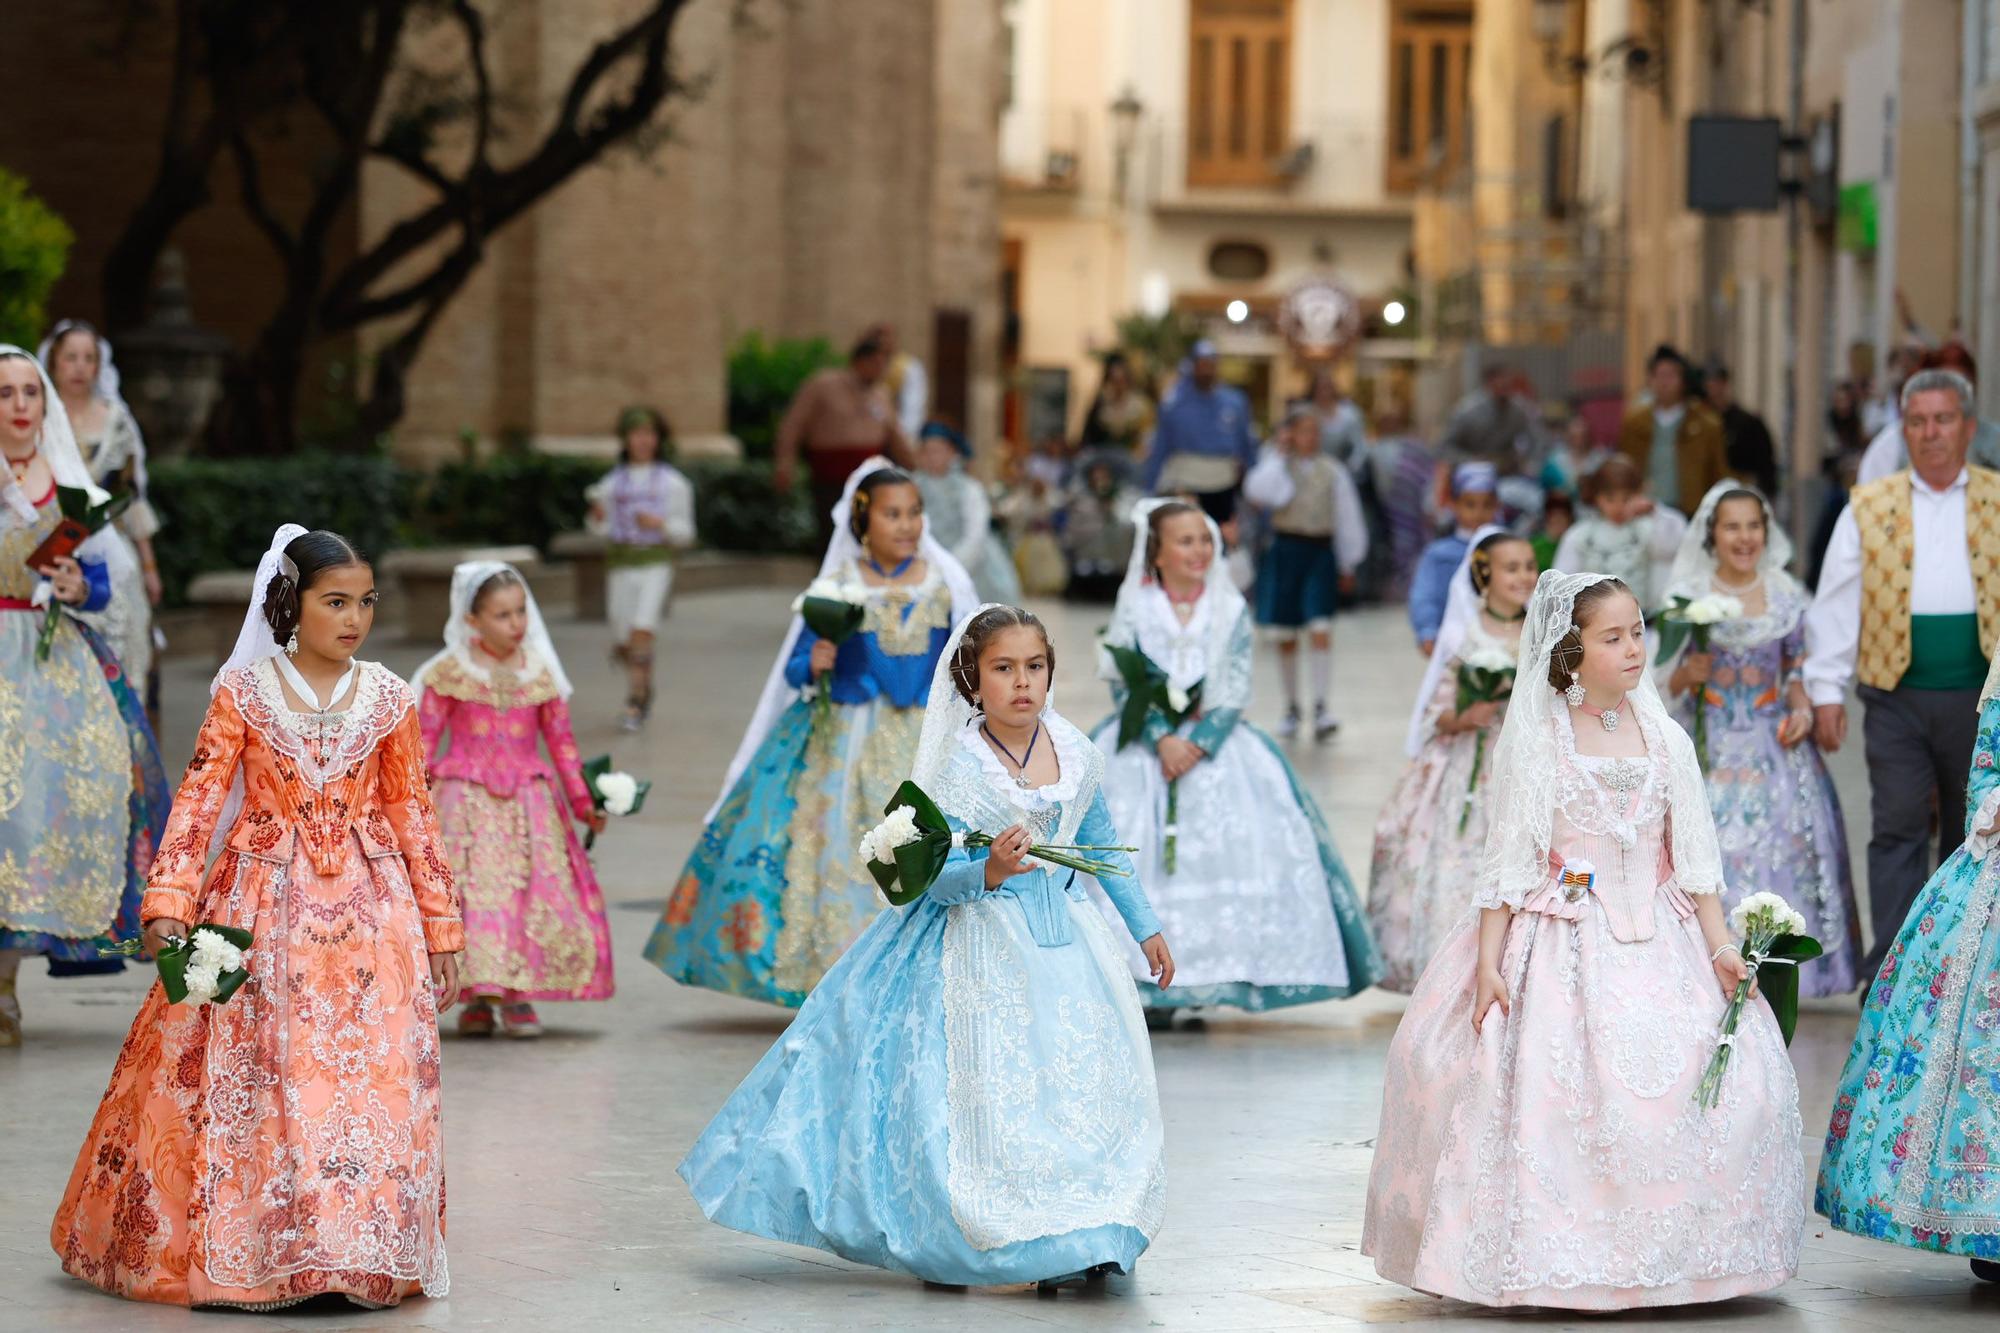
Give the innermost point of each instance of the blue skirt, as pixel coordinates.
(1298, 582)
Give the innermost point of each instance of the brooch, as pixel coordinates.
(1576, 879)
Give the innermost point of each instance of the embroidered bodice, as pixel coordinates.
(324, 784)
(1756, 658)
(1611, 816)
(896, 650)
(485, 722)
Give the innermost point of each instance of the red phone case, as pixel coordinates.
(69, 535)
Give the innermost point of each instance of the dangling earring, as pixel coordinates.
(977, 704)
(1575, 691)
(292, 644)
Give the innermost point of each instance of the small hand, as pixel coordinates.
(1830, 726)
(66, 580)
(444, 979)
(651, 522)
(1479, 716)
(1007, 857)
(1425, 647)
(1794, 727)
(1158, 961)
(1492, 990)
(1643, 506)
(1731, 971)
(1347, 585)
(1177, 756)
(160, 930)
(595, 820)
(1695, 669)
(782, 476)
(823, 654)
(155, 590)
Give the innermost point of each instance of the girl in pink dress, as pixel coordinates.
(1540, 1141)
(534, 915)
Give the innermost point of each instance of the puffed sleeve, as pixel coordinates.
(963, 877)
(182, 860)
(1123, 889)
(406, 803)
(553, 717)
(434, 721)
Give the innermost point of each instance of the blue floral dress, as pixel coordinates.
(968, 1096)
(1913, 1150)
(772, 894)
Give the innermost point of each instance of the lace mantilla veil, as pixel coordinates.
(1526, 780)
(458, 635)
(1461, 613)
(841, 552)
(58, 446)
(1694, 565)
(1221, 600)
(965, 790)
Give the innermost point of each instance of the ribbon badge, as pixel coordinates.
(1576, 879)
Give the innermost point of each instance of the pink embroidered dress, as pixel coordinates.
(535, 927)
(1559, 1158)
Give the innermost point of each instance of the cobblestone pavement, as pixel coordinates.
(566, 1213)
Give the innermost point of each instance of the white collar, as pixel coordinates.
(1069, 762)
(1670, 416)
(304, 690)
(1958, 483)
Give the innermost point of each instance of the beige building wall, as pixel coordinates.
(837, 169)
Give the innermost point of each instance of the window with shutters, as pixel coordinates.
(1239, 90)
(1430, 75)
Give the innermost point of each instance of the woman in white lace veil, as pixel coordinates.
(459, 636)
(1234, 852)
(1430, 835)
(1588, 989)
(83, 800)
(900, 1142)
(1777, 811)
(773, 892)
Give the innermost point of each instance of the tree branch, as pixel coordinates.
(250, 185)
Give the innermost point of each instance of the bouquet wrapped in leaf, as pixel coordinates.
(81, 517)
(1485, 675)
(834, 610)
(1147, 688)
(906, 852)
(1774, 944)
(207, 968)
(612, 791)
(1689, 620)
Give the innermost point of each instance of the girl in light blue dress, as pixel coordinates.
(968, 1095)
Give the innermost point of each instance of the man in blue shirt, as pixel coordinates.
(1205, 439)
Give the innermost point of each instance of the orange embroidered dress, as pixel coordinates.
(289, 1142)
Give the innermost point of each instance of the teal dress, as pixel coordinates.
(1913, 1151)
(773, 893)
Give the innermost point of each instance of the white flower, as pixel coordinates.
(203, 981)
(1766, 912)
(1710, 610)
(1177, 698)
(210, 949)
(619, 790)
(832, 590)
(900, 829)
(1488, 659)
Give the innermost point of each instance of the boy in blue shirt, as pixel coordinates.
(1474, 501)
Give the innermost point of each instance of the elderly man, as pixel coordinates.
(839, 420)
(1676, 443)
(1909, 605)
(1489, 426)
(1205, 439)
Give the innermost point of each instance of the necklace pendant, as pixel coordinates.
(1021, 781)
(1610, 719)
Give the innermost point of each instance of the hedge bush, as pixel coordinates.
(763, 379)
(34, 248)
(736, 510)
(513, 499)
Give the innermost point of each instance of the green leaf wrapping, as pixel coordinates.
(1146, 689)
(1780, 983)
(831, 619)
(173, 964)
(1673, 630)
(918, 865)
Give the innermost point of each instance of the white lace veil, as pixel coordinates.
(1221, 600)
(58, 447)
(108, 386)
(255, 641)
(1694, 565)
(466, 580)
(841, 552)
(1461, 613)
(1526, 780)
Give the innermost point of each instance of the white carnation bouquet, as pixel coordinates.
(834, 609)
(1689, 620)
(206, 968)
(1485, 675)
(907, 851)
(1775, 942)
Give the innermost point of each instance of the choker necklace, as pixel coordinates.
(1021, 764)
(1608, 717)
(897, 572)
(1738, 591)
(21, 465)
(1520, 615)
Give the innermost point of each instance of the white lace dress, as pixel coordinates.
(1559, 1158)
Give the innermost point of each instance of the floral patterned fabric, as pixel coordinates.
(289, 1142)
(773, 893)
(1913, 1149)
(535, 927)
(83, 798)
(1777, 815)
(1431, 835)
(1558, 1157)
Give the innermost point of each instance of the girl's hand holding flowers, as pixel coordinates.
(1731, 971)
(66, 581)
(160, 930)
(1693, 672)
(1476, 717)
(823, 654)
(1177, 756)
(1007, 857)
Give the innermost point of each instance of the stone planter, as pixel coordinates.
(583, 552)
(422, 581)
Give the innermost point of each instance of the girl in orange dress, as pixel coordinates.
(288, 1143)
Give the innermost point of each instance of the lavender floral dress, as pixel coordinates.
(1776, 812)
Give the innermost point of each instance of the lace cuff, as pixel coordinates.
(170, 903)
(1983, 835)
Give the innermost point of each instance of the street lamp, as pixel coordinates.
(1125, 113)
(1237, 311)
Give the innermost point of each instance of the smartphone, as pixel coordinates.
(64, 541)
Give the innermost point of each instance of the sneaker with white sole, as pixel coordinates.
(1325, 724)
(1290, 726)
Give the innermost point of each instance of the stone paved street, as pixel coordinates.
(565, 1211)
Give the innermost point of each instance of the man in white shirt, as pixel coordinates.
(1909, 607)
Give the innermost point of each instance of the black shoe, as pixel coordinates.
(1049, 1286)
(1986, 1270)
(1159, 1020)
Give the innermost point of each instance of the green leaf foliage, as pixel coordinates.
(735, 509)
(763, 379)
(34, 250)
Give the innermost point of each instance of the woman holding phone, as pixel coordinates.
(83, 801)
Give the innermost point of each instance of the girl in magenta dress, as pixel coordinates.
(1540, 1141)
(534, 916)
